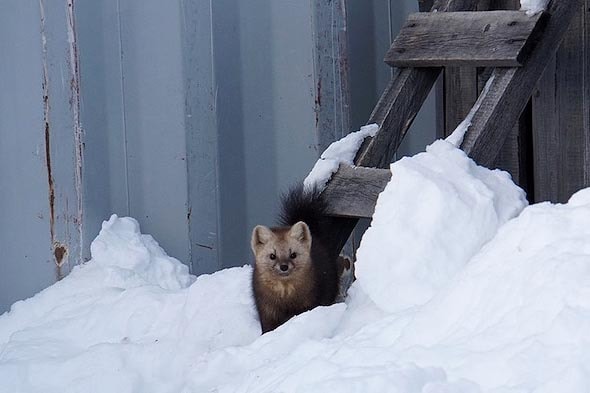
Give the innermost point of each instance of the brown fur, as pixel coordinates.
(280, 295)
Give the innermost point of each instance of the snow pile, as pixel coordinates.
(342, 151)
(533, 6)
(442, 208)
(145, 260)
(514, 317)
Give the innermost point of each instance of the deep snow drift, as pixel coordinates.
(453, 295)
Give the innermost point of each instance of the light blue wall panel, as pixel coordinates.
(24, 229)
(102, 114)
(153, 87)
(201, 135)
(40, 147)
(268, 138)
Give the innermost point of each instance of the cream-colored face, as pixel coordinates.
(282, 250)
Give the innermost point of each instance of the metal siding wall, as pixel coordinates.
(201, 135)
(103, 114)
(153, 88)
(23, 178)
(265, 111)
(40, 147)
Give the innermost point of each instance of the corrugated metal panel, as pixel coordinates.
(40, 147)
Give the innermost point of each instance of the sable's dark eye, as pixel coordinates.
(273, 256)
(293, 255)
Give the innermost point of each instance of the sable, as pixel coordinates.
(294, 271)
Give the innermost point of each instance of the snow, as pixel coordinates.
(342, 151)
(461, 288)
(443, 208)
(533, 6)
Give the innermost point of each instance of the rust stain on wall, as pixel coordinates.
(47, 134)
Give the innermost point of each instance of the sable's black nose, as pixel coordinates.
(284, 268)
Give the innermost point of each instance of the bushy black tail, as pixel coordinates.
(307, 205)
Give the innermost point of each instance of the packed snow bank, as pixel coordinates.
(436, 212)
(514, 318)
(342, 151)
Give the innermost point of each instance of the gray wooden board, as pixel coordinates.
(460, 93)
(546, 137)
(512, 87)
(560, 117)
(353, 191)
(490, 38)
(514, 156)
(394, 114)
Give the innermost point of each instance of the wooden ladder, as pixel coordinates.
(516, 47)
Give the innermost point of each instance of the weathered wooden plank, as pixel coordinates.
(394, 114)
(460, 94)
(459, 91)
(546, 137)
(515, 156)
(560, 107)
(491, 38)
(353, 191)
(512, 87)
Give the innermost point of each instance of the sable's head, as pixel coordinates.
(283, 250)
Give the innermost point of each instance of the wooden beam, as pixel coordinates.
(353, 191)
(512, 87)
(478, 39)
(460, 94)
(561, 126)
(394, 114)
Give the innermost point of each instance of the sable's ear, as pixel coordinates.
(300, 231)
(260, 236)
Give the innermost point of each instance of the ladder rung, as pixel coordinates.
(481, 39)
(353, 191)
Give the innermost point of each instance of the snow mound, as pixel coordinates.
(142, 258)
(437, 211)
(518, 315)
(342, 151)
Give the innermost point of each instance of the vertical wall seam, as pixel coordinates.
(123, 110)
(214, 92)
(75, 106)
